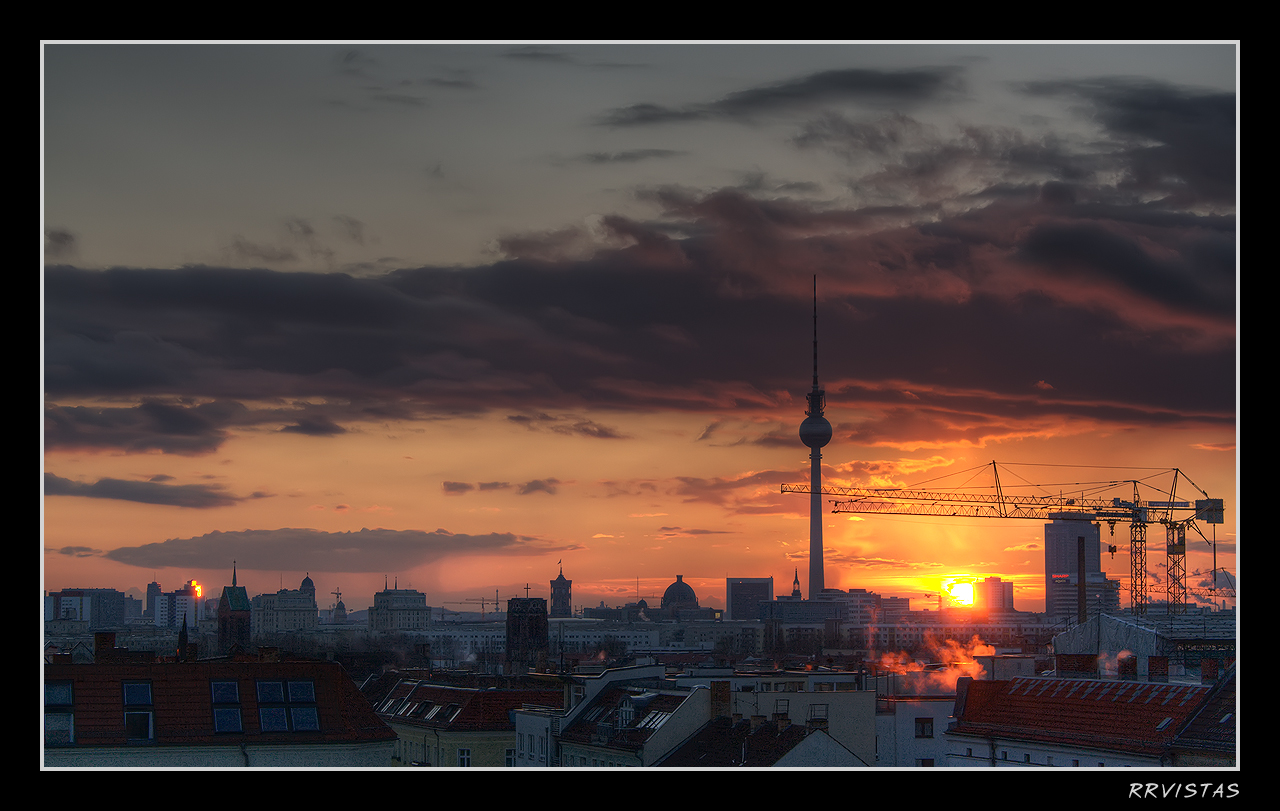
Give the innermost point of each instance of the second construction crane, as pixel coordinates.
(1175, 515)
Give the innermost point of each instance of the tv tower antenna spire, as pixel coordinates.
(815, 432)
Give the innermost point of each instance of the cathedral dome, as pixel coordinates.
(307, 585)
(679, 595)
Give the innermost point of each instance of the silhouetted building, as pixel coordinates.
(528, 633)
(182, 606)
(815, 433)
(285, 611)
(235, 617)
(1062, 566)
(100, 608)
(993, 596)
(153, 596)
(561, 596)
(743, 596)
(398, 609)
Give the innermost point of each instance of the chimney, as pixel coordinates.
(1158, 669)
(1208, 671)
(962, 693)
(756, 721)
(1127, 667)
(104, 643)
(721, 700)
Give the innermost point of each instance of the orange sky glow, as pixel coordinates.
(457, 317)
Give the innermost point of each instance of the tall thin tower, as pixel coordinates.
(815, 432)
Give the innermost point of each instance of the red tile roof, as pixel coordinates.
(182, 705)
(1125, 716)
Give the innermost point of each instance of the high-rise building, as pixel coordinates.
(993, 595)
(184, 605)
(153, 596)
(743, 595)
(561, 596)
(1062, 552)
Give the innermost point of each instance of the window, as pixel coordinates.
(287, 706)
(924, 761)
(59, 714)
(464, 757)
(924, 727)
(1026, 758)
(139, 714)
(226, 707)
(511, 757)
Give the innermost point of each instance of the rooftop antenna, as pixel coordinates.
(815, 333)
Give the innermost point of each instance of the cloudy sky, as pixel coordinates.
(451, 314)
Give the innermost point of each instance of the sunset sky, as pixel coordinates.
(445, 315)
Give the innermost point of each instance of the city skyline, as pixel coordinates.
(450, 313)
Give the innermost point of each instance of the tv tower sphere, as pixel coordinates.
(815, 431)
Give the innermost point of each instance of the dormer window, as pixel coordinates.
(139, 712)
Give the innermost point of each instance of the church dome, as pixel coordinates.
(679, 595)
(307, 585)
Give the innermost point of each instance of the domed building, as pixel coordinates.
(679, 595)
(679, 602)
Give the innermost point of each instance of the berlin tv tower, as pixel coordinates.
(815, 432)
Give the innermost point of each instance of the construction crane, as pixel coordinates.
(483, 601)
(1175, 515)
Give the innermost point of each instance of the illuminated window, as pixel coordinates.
(59, 714)
(226, 707)
(287, 706)
(139, 714)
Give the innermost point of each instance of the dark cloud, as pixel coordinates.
(456, 488)
(315, 426)
(867, 86)
(548, 486)
(76, 551)
(149, 426)
(704, 308)
(1202, 282)
(567, 425)
(369, 550)
(538, 53)
(629, 155)
(1176, 141)
(198, 496)
(59, 243)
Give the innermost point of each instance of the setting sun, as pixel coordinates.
(960, 591)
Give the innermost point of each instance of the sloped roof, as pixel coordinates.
(650, 711)
(236, 597)
(1123, 716)
(182, 703)
(1213, 727)
(420, 703)
(725, 743)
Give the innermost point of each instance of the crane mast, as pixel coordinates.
(1176, 516)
